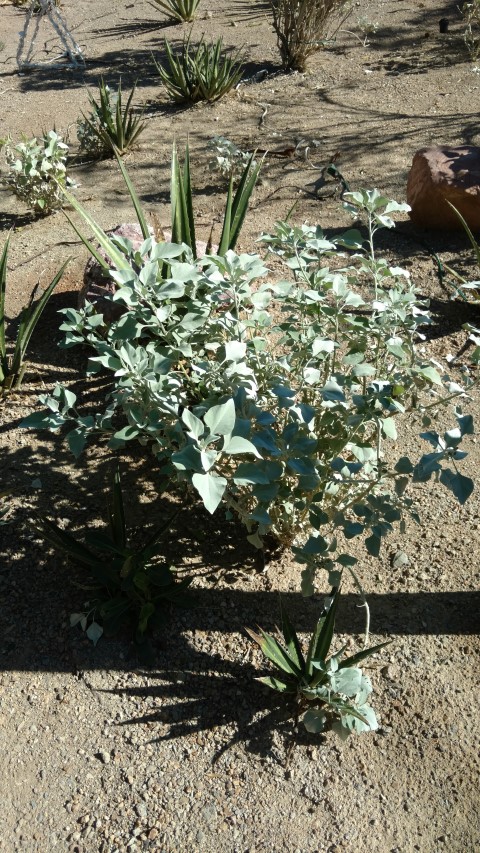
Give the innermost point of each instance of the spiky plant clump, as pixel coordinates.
(201, 73)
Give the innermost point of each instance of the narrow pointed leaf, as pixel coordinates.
(291, 640)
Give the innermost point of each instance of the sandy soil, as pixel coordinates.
(99, 754)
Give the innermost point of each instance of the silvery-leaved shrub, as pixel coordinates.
(38, 171)
(228, 158)
(280, 400)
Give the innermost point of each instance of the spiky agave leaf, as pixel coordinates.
(322, 637)
(275, 652)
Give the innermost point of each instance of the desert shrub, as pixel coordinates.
(38, 171)
(12, 366)
(471, 35)
(283, 417)
(300, 26)
(201, 73)
(36, 6)
(227, 157)
(180, 10)
(110, 126)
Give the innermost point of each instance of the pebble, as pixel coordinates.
(141, 810)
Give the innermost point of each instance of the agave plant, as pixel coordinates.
(12, 365)
(201, 73)
(110, 126)
(236, 205)
(179, 10)
(128, 584)
(183, 225)
(329, 691)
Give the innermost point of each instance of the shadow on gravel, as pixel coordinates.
(213, 692)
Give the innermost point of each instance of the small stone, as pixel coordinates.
(152, 834)
(103, 756)
(141, 810)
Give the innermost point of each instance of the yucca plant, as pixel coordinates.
(329, 691)
(183, 225)
(12, 366)
(129, 585)
(201, 73)
(110, 126)
(179, 10)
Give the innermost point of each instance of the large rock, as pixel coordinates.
(442, 173)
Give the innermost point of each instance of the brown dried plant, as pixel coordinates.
(300, 26)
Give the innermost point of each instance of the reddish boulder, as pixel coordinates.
(442, 173)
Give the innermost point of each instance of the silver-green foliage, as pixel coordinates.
(330, 690)
(228, 158)
(201, 73)
(471, 36)
(283, 416)
(38, 171)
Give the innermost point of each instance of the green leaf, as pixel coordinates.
(347, 681)
(291, 640)
(211, 488)
(373, 545)
(195, 425)
(65, 542)
(236, 444)
(94, 632)
(365, 653)
(118, 258)
(322, 637)
(221, 419)
(146, 613)
(133, 195)
(249, 473)
(389, 428)
(314, 720)
(279, 684)
(76, 439)
(431, 374)
(275, 653)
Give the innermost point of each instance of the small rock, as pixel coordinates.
(103, 756)
(141, 810)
